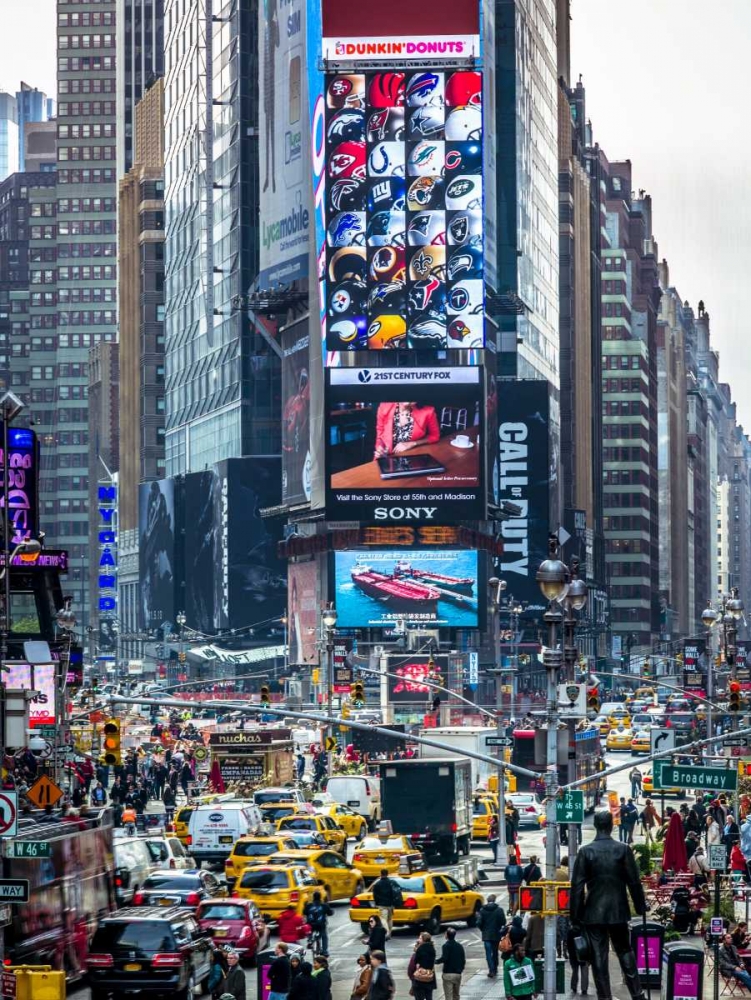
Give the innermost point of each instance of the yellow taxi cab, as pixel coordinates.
(324, 825)
(648, 787)
(181, 821)
(340, 879)
(603, 722)
(272, 812)
(352, 823)
(619, 738)
(428, 900)
(273, 887)
(619, 717)
(253, 850)
(483, 808)
(641, 743)
(389, 851)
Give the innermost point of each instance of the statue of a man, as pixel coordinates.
(604, 873)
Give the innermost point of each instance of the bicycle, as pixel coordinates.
(315, 943)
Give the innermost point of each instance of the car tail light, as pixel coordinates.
(96, 961)
(166, 961)
(192, 899)
(410, 903)
(228, 864)
(453, 827)
(530, 809)
(235, 894)
(357, 857)
(245, 933)
(118, 882)
(294, 897)
(138, 899)
(354, 901)
(172, 863)
(189, 839)
(367, 789)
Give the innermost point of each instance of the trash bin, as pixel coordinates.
(650, 972)
(683, 972)
(38, 982)
(560, 975)
(264, 960)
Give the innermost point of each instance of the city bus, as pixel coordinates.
(530, 750)
(69, 893)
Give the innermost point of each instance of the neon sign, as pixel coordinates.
(107, 507)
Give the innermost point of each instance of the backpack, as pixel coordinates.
(397, 899)
(316, 916)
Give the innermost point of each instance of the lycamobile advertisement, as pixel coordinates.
(404, 445)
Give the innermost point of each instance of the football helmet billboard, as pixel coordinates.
(425, 89)
(427, 261)
(463, 88)
(386, 229)
(386, 331)
(426, 158)
(347, 124)
(427, 333)
(386, 159)
(466, 331)
(464, 262)
(463, 158)
(347, 195)
(464, 191)
(464, 124)
(347, 229)
(348, 264)
(386, 297)
(387, 264)
(426, 229)
(425, 192)
(348, 299)
(387, 192)
(386, 90)
(347, 160)
(346, 91)
(386, 124)
(465, 228)
(466, 297)
(426, 123)
(349, 334)
(427, 293)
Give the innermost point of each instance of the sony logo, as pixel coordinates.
(405, 513)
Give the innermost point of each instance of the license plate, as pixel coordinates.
(353, 803)
(220, 932)
(165, 902)
(226, 840)
(379, 858)
(132, 967)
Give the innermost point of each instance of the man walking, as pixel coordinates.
(280, 973)
(491, 920)
(453, 960)
(387, 896)
(636, 779)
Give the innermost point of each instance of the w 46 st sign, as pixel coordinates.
(720, 779)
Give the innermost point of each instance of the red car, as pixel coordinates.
(236, 923)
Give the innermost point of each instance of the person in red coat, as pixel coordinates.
(403, 426)
(292, 927)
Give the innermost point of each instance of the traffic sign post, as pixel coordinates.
(718, 857)
(29, 849)
(14, 890)
(662, 739)
(331, 743)
(8, 814)
(684, 776)
(569, 808)
(44, 792)
(8, 985)
(498, 741)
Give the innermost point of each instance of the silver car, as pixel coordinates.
(529, 807)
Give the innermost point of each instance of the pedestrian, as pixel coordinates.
(635, 777)
(129, 818)
(168, 798)
(697, 865)
(731, 834)
(631, 819)
(491, 920)
(510, 829)
(303, 987)
(234, 982)
(714, 833)
(532, 872)
(534, 942)
(363, 975)
(493, 837)
(300, 766)
(514, 875)
(98, 795)
(453, 959)
(376, 934)
(421, 968)
(321, 978)
(280, 973)
(650, 819)
(295, 961)
(731, 964)
(518, 974)
(382, 985)
(387, 896)
(290, 925)
(579, 970)
(516, 930)
(316, 913)
(219, 970)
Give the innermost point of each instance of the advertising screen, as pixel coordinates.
(23, 507)
(404, 444)
(302, 612)
(156, 552)
(431, 587)
(410, 674)
(39, 677)
(296, 414)
(404, 211)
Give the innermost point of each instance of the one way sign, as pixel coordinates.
(662, 739)
(14, 890)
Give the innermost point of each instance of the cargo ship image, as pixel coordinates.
(461, 584)
(399, 595)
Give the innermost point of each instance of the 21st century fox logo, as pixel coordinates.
(408, 374)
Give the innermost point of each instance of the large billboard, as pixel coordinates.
(296, 466)
(523, 475)
(408, 676)
(38, 677)
(431, 587)
(156, 553)
(302, 612)
(23, 467)
(404, 211)
(285, 215)
(404, 444)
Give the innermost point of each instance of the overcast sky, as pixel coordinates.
(667, 87)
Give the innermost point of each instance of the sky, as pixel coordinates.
(667, 85)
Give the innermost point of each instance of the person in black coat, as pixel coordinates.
(321, 978)
(303, 985)
(516, 931)
(423, 958)
(234, 981)
(491, 920)
(376, 935)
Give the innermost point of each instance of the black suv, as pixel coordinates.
(152, 949)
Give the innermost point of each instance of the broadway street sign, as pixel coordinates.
(682, 776)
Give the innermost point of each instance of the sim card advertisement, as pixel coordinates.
(404, 445)
(404, 211)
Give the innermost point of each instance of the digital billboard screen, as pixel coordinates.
(296, 414)
(404, 444)
(431, 587)
(404, 211)
(408, 676)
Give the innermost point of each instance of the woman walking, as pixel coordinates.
(421, 969)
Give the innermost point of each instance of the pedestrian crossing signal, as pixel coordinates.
(563, 899)
(111, 750)
(530, 898)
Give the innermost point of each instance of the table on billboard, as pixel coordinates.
(404, 444)
(404, 211)
(433, 587)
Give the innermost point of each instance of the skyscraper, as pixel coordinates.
(140, 60)
(33, 106)
(8, 135)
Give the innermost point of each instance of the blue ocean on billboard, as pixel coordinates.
(428, 587)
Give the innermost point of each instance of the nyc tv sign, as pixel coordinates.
(107, 507)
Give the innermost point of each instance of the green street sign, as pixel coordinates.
(47, 729)
(28, 849)
(569, 808)
(715, 779)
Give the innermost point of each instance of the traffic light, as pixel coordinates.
(182, 656)
(95, 685)
(530, 898)
(744, 769)
(646, 667)
(562, 898)
(734, 696)
(346, 711)
(358, 694)
(593, 698)
(111, 743)
(265, 695)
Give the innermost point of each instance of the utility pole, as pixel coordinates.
(329, 618)
(497, 588)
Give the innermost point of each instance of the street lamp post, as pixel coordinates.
(497, 587)
(181, 620)
(329, 618)
(709, 620)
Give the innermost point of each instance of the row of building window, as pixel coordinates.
(89, 130)
(67, 153)
(625, 477)
(628, 568)
(86, 41)
(623, 454)
(87, 227)
(64, 415)
(86, 317)
(621, 361)
(64, 505)
(65, 250)
(88, 272)
(42, 210)
(86, 19)
(107, 294)
(623, 385)
(74, 205)
(85, 64)
(88, 86)
(87, 175)
(42, 233)
(623, 431)
(624, 407)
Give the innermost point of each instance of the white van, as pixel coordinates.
(214, 827)
(360, 792)
(133, 865)
(292, 795)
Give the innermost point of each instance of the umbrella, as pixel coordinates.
(216, 779)
(674, 857)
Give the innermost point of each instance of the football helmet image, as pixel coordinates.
(427, 333)
(386, 160)
(347, 334)
(386, 297)
(348, 299)
(346, 92)
(426, 158)
(348, 264)
(466, 262)
(426, 123)
(347, 195)
(427, 229)
(465, 228)
(425, 192)
(346, 124)
(347, 229)
(464, 191)
(387, 193)
(464, 124)
(424, 89)
(386, 332)
(463, 158)
(428, 293)
(385, 124)
(463, 88)
(386, 90)
(347, 160)
(466, 297)
(428, 262)
(466, 331)
(386, 229)
(387, 264)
